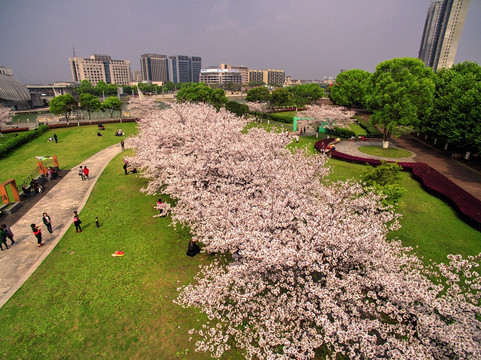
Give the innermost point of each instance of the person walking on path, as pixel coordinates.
(55, 138)
(9, 233)
(81, 173)
(86, 173)
(3, 237)
(77, 222)
(48, 222)
(122, 145)
(37, 231)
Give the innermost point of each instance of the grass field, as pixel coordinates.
(82, 303)
(391, 152)
(75, 144)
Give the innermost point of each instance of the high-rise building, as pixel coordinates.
(442, 32)
(100, 68)
(184, 68)
(154, 67)
(256, 76)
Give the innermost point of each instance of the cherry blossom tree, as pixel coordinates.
(333, 115)
(4, 117)
(312, 265)
(257, 107)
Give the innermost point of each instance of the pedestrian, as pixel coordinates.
(77, 222)
(9, 233)
(3, 237)
(37, 231)
(126, 165)
(86, 173)
(48, 222)
(55, 138)
(122, 145)
(81, 173)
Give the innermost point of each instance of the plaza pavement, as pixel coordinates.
(69, 194)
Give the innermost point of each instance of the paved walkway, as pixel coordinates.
(462, 175)
(69, 194)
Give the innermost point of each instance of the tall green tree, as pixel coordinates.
(63, 105)
(258, 94)
(90, 103)
(279, 97)
(200, 92)
(309, 92)
(402, 91)
(457, 107)
(351, 88)
(112, 104)
(85, 87)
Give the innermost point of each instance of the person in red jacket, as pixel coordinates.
(37, 231)
(86, 173)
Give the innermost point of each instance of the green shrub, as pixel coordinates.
(343, 132)
(237, 108)
(384, 180)
(21, 139)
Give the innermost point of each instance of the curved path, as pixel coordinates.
(460, 174)
(69, 194)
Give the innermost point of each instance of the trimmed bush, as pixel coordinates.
(343, 132)
(21, 139)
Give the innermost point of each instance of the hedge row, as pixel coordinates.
(342, 132)
(371, 130)
(21, 139)
(467, 206)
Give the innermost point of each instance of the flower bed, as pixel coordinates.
(467, 206)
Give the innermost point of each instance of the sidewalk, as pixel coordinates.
(69, 194)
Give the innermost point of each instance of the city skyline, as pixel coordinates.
(308, 39)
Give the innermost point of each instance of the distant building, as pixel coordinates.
(137, 76)
(220, 76)
(243, 70)
(268, 76)
(13, 93)
(42, 94)
(182, 68)
(442, 32)
(154, 67)
(100, 68)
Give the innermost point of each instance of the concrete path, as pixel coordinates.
(352, 148)
(69, 194)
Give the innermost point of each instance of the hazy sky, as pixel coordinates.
(309, 39)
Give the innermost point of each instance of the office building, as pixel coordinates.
(182, 68)
(100, 68)
(243, 70)
(154, 67)
(220, 76)
(269, 76)
(442, 32)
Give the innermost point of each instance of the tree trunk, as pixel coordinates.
(468, 154)
(435, 141)
(446, 147)
(385, 144)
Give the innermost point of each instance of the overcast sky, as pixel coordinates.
(308, 39)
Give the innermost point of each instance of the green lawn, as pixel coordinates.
(389, 152)
(82, 303)
(75, 144)
(358, 130)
